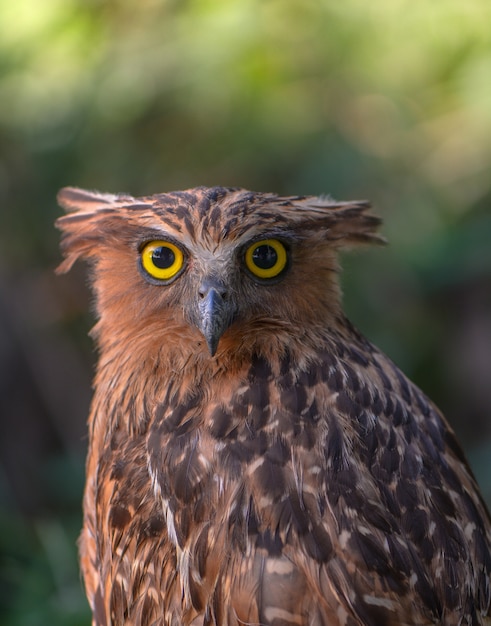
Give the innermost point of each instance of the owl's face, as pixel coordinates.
(215, 284)
(211, 265)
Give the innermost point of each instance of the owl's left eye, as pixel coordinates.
(266, 258)
(162, 260)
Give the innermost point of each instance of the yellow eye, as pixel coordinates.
(266, 258)
(162, 260)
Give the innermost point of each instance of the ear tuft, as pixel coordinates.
(90, 215)
(345, 224)
(75, 199)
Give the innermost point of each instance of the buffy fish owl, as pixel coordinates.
(253, 459)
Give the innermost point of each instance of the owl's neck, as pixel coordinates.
(157, 360)
(135, 380)
(169, 348)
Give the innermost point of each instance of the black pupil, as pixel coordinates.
(163, 257)
(264, 257)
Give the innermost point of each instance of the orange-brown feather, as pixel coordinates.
(296, 477)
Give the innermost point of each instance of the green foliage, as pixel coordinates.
(387, 100)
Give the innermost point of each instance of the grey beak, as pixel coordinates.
(215, 312)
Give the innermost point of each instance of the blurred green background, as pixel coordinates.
(388, 100)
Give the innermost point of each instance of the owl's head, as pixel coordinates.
(214, 266)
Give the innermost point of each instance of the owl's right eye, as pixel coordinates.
(162, 260)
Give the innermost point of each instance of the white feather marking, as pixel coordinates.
(253, 466)
(183, 558)
(342, 614)
(469, 530)
(169, 521)
(375, 601)
(343, 538)
(272, 613)
(279, 566)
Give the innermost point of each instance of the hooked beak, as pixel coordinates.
(215, 312)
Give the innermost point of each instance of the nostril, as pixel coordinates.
(215, 286)
(202, 293)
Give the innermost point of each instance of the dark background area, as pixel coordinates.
(388, 100)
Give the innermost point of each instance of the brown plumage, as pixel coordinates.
(253, 459)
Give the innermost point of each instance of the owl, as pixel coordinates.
(253, 459)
